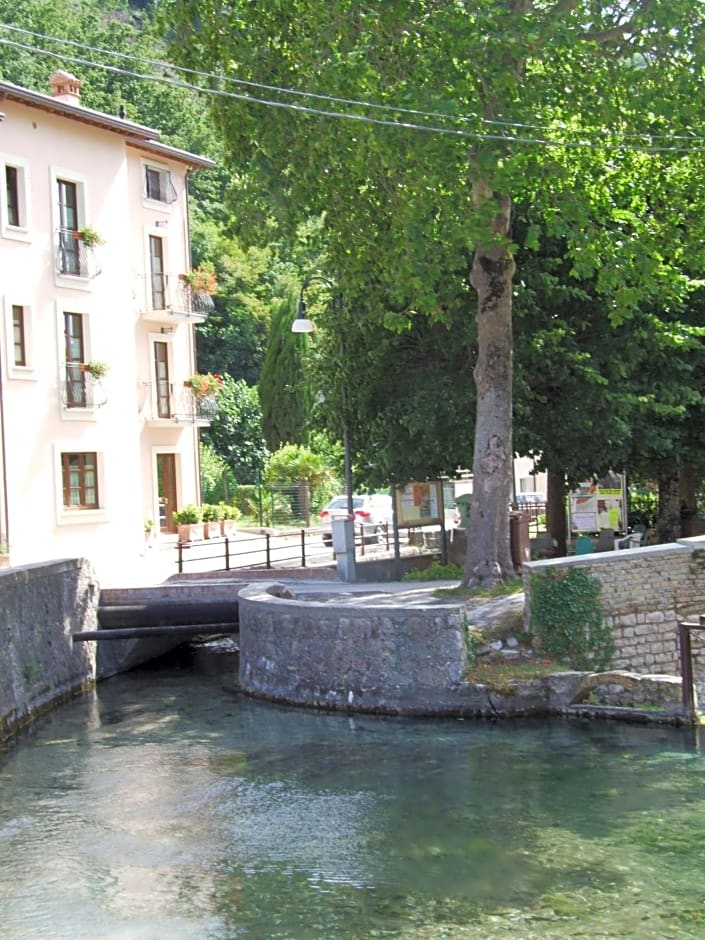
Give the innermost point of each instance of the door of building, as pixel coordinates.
(166, 487)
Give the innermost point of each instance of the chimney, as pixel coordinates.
(65, 87)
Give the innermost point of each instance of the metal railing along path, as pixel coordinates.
(292, 548)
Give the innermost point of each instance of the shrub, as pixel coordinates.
(568, 618)
(211, 513)
(188, 515)
(229, 512)
(247, 500)
(435, 572)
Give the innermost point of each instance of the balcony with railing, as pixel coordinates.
(80, 389)
(75, 258)
(165, 403)
(166, 298)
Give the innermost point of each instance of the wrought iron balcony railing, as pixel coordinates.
(166, 402)
(81, 389)
(73, 257)
(168, 296)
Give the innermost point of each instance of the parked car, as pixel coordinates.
(372, 511)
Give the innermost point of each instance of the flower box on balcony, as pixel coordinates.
(201, 280)
(206, 385)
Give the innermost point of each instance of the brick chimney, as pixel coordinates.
(65, 87)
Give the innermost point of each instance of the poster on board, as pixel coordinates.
(599, 504)
(419, 504)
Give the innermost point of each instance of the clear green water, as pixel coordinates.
(167, 807)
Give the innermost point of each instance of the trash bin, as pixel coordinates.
(519, 541)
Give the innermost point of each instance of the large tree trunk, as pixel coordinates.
(668, 524)
(556, 517)
(488, 558)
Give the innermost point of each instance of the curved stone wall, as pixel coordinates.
(364, 656)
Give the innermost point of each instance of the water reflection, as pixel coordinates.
(166, 806)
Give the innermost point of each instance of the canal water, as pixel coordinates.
(167, 806)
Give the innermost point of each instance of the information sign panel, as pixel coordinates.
(419, 504)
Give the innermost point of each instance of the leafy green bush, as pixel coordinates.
(211, 512)
(568, 618)
(188, 515)
(435, 572)
(247, 500)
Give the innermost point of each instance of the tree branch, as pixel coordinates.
(629, 27)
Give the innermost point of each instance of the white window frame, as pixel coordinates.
(64, 515)
(17, 232)
(13, 371)
(168, 339)
(167, 183)
(89, 413)
(74, 281)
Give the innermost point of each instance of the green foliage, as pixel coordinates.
(247, 500)
(212, 512)
(228, 512)
(643, 507)
(405, 211)
(217, 479)
(284, 385)
(299, 464)
(235, 432)
(435, 572)
(568, 618)
(188, 515)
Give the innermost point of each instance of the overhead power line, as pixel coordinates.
(584, 143)
(296, 92)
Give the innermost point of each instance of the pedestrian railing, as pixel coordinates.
(292, 548)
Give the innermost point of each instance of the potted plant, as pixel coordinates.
(189, 523)
(201, 280)
(204, 385)
(230, 514)
(95, 369)
(212, 517)
(89, 236)
(148, 530)
(4, 554)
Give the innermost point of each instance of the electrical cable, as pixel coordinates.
(407, 125)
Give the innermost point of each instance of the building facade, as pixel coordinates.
(98, 430)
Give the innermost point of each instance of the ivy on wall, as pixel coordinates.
(568, 617)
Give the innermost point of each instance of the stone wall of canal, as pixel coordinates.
(645, 592)
(40, 607)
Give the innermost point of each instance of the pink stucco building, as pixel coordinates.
(86, 458)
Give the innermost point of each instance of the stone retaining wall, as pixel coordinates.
(645, 592)
(366, 657)
(40, 607)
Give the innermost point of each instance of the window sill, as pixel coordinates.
(16, 233)
(21, 373)
(82, 516)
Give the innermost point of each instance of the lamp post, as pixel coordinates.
(302, 324)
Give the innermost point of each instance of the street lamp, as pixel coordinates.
(302, 324)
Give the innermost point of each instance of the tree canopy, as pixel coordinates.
(570, 106)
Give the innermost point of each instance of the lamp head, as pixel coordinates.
(302, 324)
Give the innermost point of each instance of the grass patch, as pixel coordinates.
(504, 589)
(495, 673)
(435, 572)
